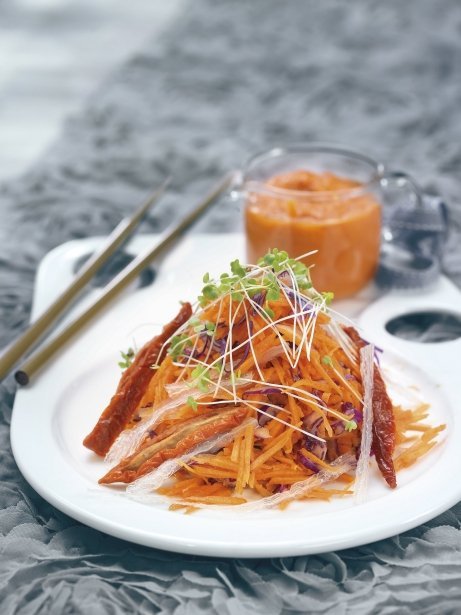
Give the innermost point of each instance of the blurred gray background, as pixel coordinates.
(53, 53)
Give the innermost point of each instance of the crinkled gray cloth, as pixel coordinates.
(229, 79)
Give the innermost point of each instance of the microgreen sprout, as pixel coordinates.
(127, 358)
(192, 403)
(350, 425)
(279, 261)
(276, 259)
(326, 360)
(269, 312)
(237, 269)
(197, 325)
(241, 280)
(236, 296)
(209, 293)
(273, 293)
(178, 344)
(210, 328)
(200, 377)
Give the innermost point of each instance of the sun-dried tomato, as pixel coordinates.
(132, 387)
(177, 442)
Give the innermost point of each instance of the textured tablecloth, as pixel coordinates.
(229, 79)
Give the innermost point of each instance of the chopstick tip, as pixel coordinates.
(21, 377)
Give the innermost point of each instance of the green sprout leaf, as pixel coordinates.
(237, 269)
(350, 425)
(192, 403)
(326, 360)
(210, 291)
(197, 324)
(200, 378)
(127, 358)
(236, 296)
(328, 296)
(273, 293)
(178, 345)
(278, 261)
(218, 367)
(210, 328)
(269, 312)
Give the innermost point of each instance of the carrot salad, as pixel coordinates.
(259, 395)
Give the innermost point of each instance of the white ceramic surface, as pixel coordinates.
(52, 416)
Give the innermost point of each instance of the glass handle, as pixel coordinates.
(402, 180)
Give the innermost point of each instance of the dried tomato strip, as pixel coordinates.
(128, 470)
(383, 419)
(132, 387)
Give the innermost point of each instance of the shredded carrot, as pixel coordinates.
(296, 384)
(216, 500)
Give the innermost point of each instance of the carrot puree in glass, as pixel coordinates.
(302, 211)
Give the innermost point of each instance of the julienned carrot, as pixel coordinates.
(211, 472)
(215, 460)
(262, 346)
(215, 500)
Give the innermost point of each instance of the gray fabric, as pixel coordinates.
(229, 79)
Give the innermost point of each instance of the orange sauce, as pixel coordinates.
(331, 214)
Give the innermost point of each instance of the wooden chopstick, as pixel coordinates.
(39, 358)
(39, 327)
